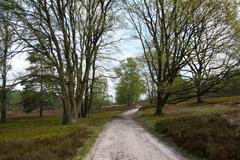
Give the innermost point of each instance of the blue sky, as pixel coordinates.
(128, 47)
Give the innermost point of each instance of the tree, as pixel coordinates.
(149, 86)
(166, 30)
(100, 96)
(9, 47)
(130, 86)
(213, 58)
(69, 34)
(33, 99)
(37, 76)
(229, 87)
(89, 89)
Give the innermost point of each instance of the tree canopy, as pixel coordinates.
(130, 86)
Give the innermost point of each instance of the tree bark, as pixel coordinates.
(199, 96)
(65, 116)
(4, 75)
(160, 105)
(151, 100)
(199, 99)
(69, 112)
(92, 84)
(41, 111)
(4, 99)
(41, 89)
(162, 99)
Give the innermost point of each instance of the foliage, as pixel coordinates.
(176, 34)
(69, 41)
(230, 87)
(9, 44)
(150, 89)
(32, 99)
(130, 86)
(14, 97)
(100, 93)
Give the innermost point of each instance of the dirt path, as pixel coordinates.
(123, 139)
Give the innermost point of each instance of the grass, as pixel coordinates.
(215, 100)
(204, 131)
(46, 139)
(223, 99)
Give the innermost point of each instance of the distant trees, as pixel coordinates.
(168, 32)
(150, 88)
(229, 87)
(130, 85)
(100, 95)
(37, 82)
(33, 99)
(69, 34)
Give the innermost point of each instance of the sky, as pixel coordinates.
(127, 47)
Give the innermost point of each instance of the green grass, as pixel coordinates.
(202, 131)
(46, 139)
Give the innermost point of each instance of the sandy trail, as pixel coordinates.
(123, 139)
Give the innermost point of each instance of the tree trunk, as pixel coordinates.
(199, 97)
(41, 100)
(129, 101)
(159, 106)
(41, 111)
(84, 108)
(92, 84)
(73, 118)
(85, 112)
(86, 101)
(65, 116)
(4, 73)
(161, 101)
(80, 109)
(150, 99)
(69, 113)
(41, 88)
(4, 102)
(4, 88)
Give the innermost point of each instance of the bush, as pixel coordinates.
(209, 137)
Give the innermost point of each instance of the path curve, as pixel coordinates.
(123, 139)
